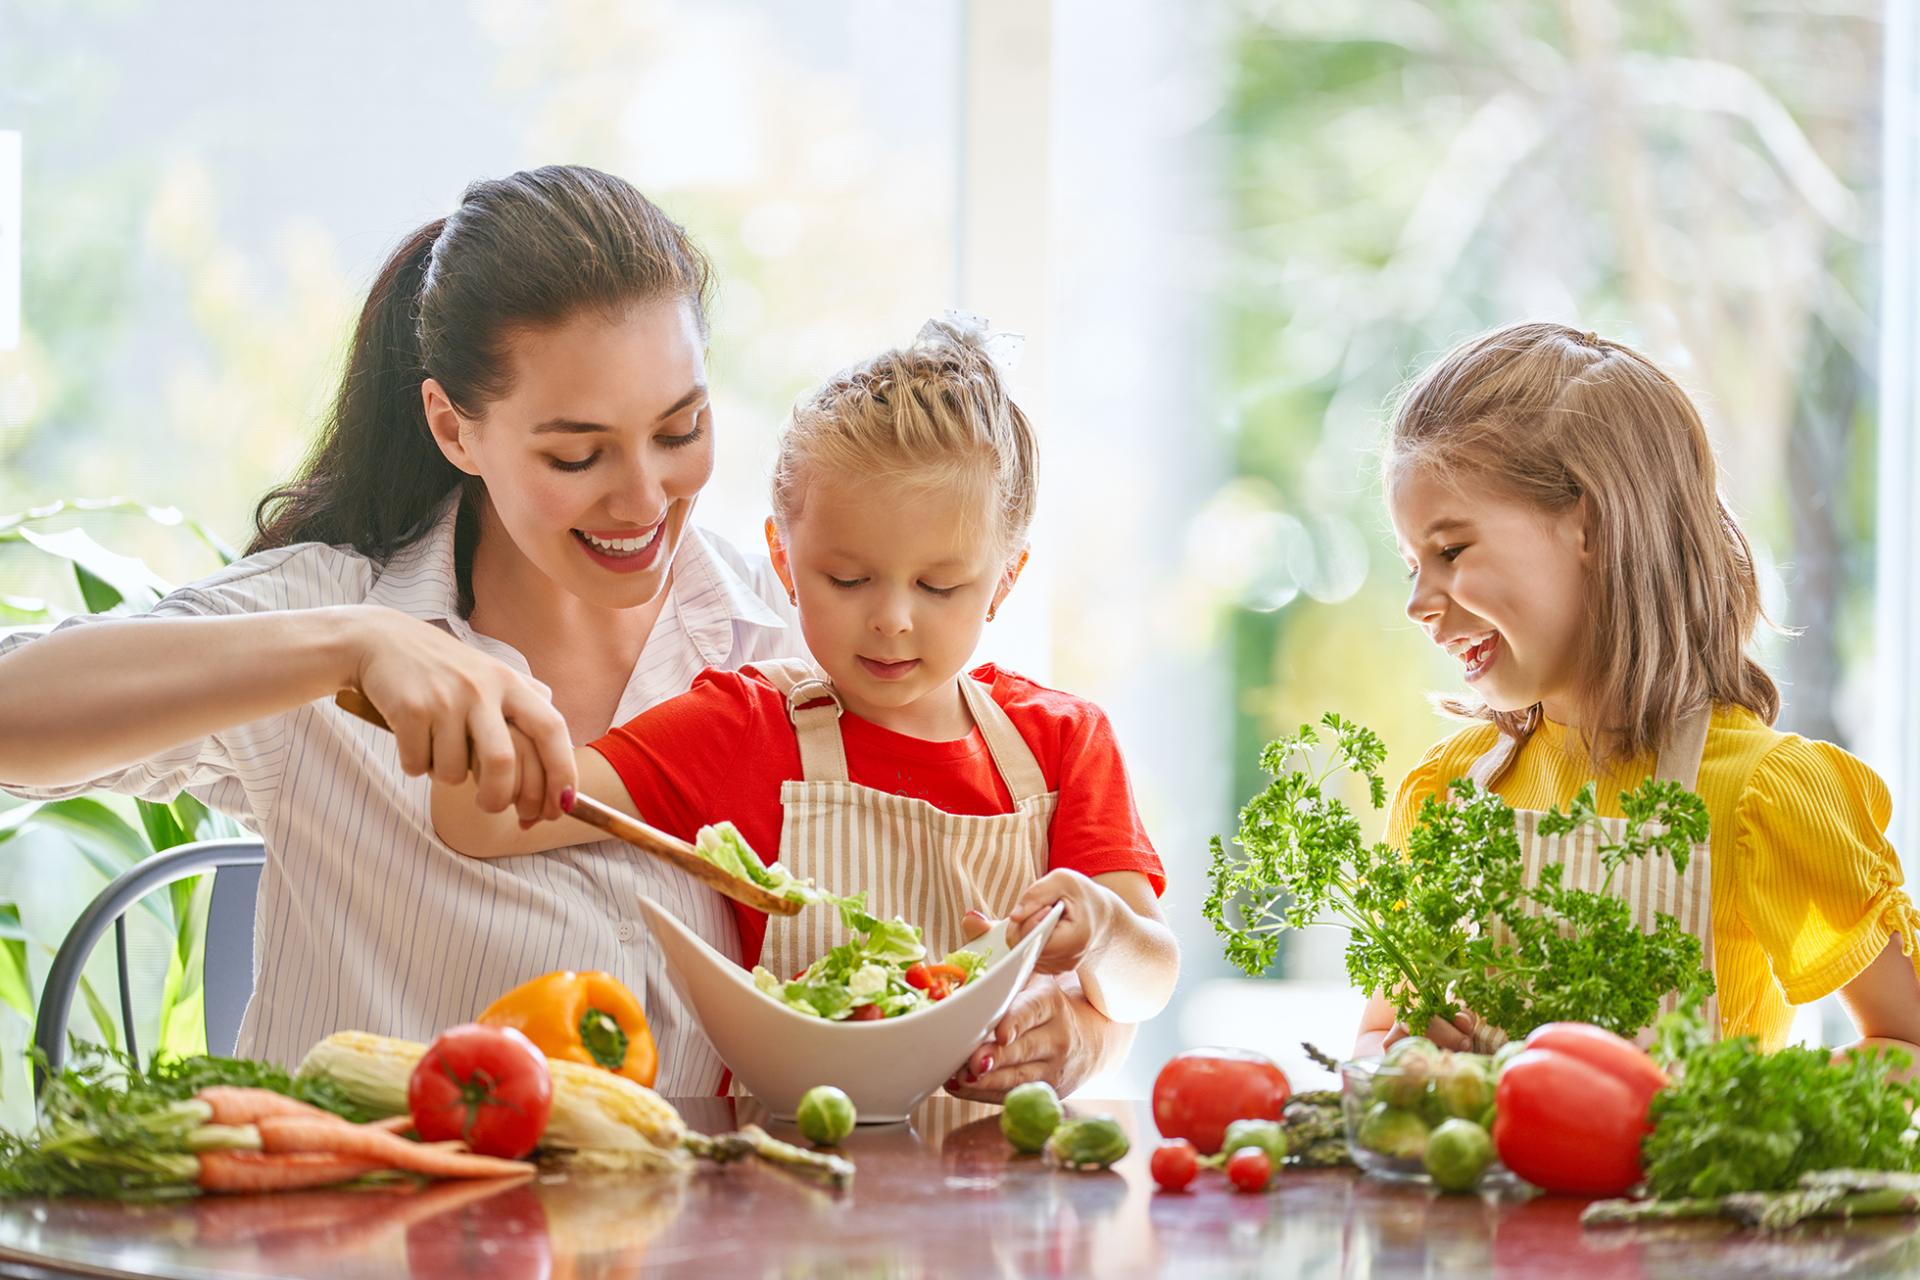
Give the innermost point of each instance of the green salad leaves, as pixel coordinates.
(1450, 923)
(870, 969)
(724, 846)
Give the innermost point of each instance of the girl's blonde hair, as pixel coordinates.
(935, 414)
(1549, 415)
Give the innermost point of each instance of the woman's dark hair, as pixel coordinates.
(526, 251)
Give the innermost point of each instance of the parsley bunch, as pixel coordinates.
(1740, 1120)
(1450, 923)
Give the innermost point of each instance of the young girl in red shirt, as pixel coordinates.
(902, 497)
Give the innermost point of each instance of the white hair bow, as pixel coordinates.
(1002, 349)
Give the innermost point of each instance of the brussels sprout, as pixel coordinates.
(1413, 1046)
(825, 1115)
(1029, 1116)
(1267, 1135)
(1402, 1081)
(1393, 1132)
(1458, 1152)
(1507, 1053)
(1464, 1084)
(1087, 1142)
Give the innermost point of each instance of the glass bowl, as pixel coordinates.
(1392, 1104)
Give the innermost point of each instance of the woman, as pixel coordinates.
(494, 530)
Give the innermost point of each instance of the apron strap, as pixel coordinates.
(1486, 770)
(1680, 757)
(1678, 761)
(823, 756)
(1015, 759)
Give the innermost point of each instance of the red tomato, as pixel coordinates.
(1248, 1169)
(866, 1013)
(487, 1086)
(1174, 1164)
(1202, 1091)
(1571, 1110)
(916, 976)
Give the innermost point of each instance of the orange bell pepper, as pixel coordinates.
(589, 1018)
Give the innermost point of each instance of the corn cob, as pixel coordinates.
(593, 1109)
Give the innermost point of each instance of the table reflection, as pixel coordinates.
(940, 1195)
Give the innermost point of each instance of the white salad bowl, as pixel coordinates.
(887, 1067)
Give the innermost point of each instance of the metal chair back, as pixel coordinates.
(236, 865)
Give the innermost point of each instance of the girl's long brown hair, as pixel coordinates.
(1548, 415)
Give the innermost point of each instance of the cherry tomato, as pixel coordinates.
(1200, 1092)
(866, 1013)
(1174, 1164)
(1248, 1169)
(916, 976)
(487, 1086)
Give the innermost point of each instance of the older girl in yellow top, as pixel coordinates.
(1553, 495)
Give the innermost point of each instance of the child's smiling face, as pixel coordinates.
(1500, 585)
(894, 583)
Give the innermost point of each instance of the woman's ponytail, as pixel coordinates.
(376, 477)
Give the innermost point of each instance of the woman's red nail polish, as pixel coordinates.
(566, 800)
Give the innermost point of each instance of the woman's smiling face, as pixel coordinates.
(1500, 585)
(593, 461)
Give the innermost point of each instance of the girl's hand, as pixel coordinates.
(1456, 1035)
(456, 711)
(1081, 930)
(1038, 1039)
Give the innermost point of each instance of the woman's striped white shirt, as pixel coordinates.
(365, 919)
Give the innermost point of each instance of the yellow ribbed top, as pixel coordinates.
(1806, 887)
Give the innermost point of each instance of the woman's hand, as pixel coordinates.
(1040, 1038)
(1082, 929)
(455, 711)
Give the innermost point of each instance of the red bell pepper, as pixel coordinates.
(1571, 1110)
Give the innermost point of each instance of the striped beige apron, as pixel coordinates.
(915, 861)
(1650, 885)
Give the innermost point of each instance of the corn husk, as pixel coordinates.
(593, 1109)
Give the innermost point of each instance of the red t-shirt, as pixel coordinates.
(721, 750)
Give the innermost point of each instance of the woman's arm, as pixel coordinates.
(460, 821)
(1884, 1002)
(88, 700)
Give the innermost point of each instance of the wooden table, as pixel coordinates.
(944, 1197)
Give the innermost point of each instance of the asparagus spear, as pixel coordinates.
(1825, 1193)
(724, 1148)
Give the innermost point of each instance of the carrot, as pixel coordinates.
(392, 1124)
(235, 1105)
(287, 1171)
(300, 1133)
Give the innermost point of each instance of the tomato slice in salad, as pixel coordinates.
(944, 979)
(916, 976)
(866, 1013)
